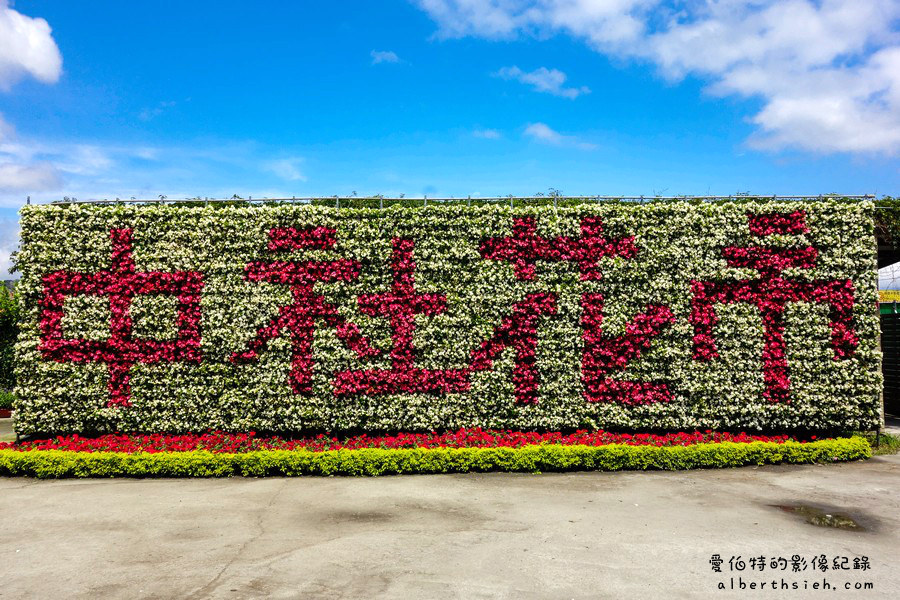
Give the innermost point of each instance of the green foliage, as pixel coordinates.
(887, 220)
(9, 331)
(375, 461)
(883, 443)
(7, 399)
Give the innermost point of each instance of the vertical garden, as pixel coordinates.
(755, 315)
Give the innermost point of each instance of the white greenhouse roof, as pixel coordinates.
(889, 277)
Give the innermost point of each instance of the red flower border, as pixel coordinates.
(219, 441)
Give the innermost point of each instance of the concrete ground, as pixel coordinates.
(580, 535)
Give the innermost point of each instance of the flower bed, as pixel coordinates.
(219, 441)
(221, 455)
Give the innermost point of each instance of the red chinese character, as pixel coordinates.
(602, 354)
(308, 307)
(770, 293)
(524, 248)
(518, 331)
(120, 284)
(400, 306)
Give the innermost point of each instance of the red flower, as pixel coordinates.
(224, 442)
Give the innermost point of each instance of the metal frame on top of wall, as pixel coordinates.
(425, 200)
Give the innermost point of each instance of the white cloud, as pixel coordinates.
(9, 243)
(487, 134)
(85, 159)
(22, 168)
(494, 19)
(151, 113)
(48, 169)
(287, 168)
(28, 167)
(384, 56)
(827, 71)
(542, 79)
(544, 133)
(7, 131)
(147, 153)
(23, 179)
(26, 48)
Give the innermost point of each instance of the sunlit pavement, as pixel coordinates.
(579, 535)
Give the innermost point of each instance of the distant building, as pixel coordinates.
(889, 296)
(889, 283)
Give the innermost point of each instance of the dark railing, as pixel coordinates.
(383, 201)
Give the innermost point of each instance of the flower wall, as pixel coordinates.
(754, 316)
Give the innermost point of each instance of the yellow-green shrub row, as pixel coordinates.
(374, 461)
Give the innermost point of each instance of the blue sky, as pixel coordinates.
(446, 97)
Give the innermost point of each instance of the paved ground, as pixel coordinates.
(6, 430)
(583, 535)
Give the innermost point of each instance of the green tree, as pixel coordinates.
(9, 331)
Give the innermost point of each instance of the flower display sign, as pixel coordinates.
(752, 315)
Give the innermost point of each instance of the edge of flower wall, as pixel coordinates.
(50, 464)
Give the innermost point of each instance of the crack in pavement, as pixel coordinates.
(210, 587)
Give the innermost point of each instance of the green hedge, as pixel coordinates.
(640, 373)
(9, 331)
(376, 461)
(887, 220)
